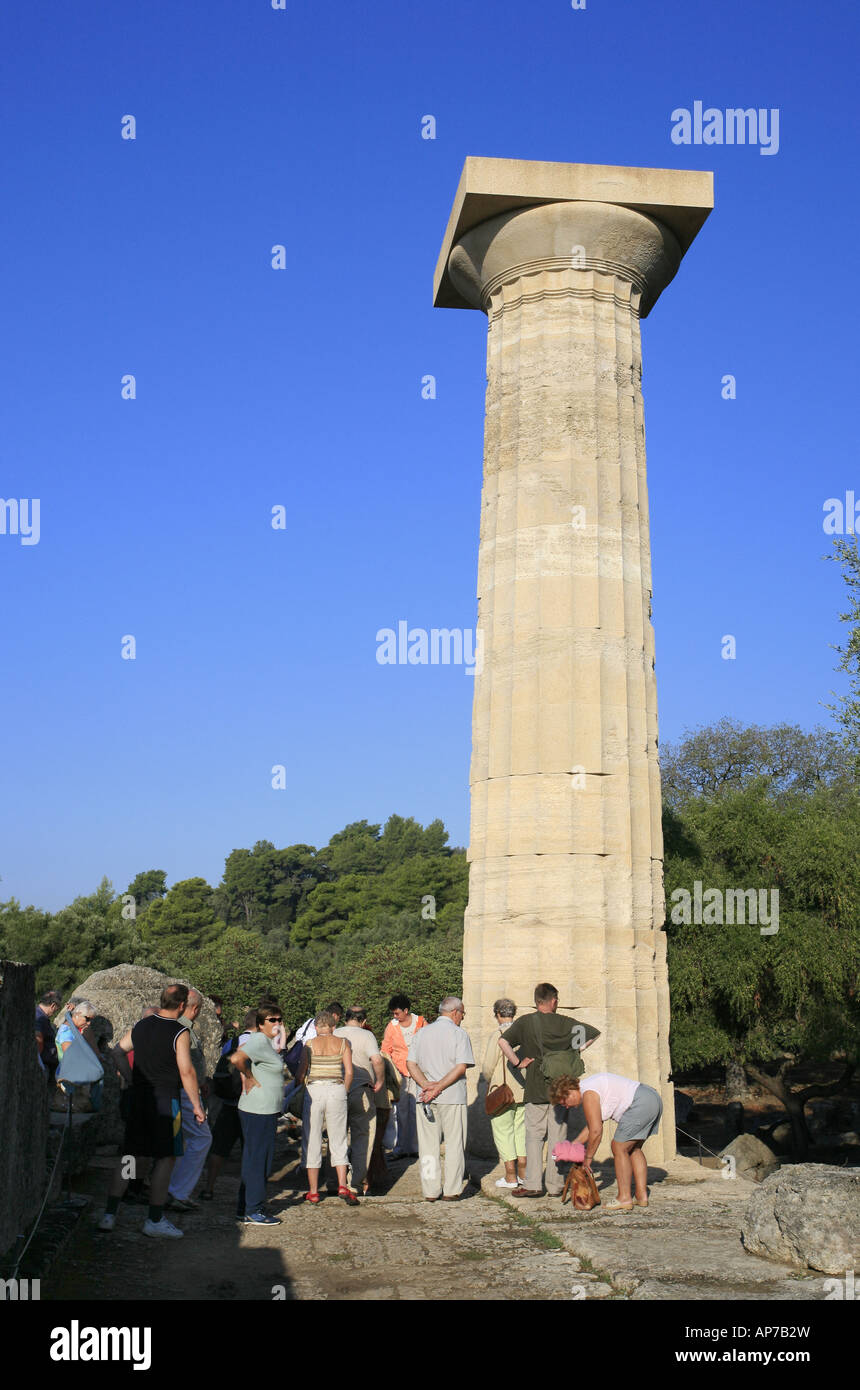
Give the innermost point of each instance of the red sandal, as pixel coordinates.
(313, 1198)
(348, 1196)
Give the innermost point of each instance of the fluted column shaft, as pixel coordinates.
(566, 842)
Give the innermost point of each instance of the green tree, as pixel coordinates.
(426, 971)
(846, 711)
(65, 947)
(148, 886)
(768, 1003)
(240, 967)
(360, 902)
(186, 913)
(249, 881)
(729, 756)
(297, 872)
(354, 850)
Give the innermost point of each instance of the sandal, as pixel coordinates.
(637, 1203)
(617, 1206)
(313, 1198)
(348, 1196)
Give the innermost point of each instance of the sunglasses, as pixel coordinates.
(276, 1018)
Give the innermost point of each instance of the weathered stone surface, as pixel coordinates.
(681, 199)
(23, 1105)
(808, 1215)
(566, 846)
(753, 1159)
(121, 994)
(685, 1245)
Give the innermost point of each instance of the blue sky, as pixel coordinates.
(301, 387)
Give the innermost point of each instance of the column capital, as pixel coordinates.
(514, 217)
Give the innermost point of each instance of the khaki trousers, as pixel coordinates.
(550, 1123)
(447, 1126)
(361, 1118)
(326, 1110)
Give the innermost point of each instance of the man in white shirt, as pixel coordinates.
(439, 1057)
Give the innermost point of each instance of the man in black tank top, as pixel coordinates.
(162, 1068)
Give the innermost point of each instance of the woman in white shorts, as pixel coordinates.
(636, 1108)
(326, 1069)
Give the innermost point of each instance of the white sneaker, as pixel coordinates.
(503, 1182)
(107, 1222)
(162, 1228)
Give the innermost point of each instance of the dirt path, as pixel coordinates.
(392, 1246)
(686, 1245)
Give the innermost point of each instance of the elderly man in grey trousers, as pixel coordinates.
(439, 1057)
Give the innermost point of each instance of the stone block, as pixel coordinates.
(23, 1105)
(753, 1159)
(120, 996)
(807, 1215)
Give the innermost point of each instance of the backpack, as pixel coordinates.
(226, 1080)
(568, 1062)
(293, 1057)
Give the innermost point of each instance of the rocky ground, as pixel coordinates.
(486, 1246)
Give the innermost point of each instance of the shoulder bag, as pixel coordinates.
(498, 1098)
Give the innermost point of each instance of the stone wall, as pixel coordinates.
(23, 1105)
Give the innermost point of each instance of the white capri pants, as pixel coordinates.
(328, 1109)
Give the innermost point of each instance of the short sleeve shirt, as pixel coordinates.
(65, 1034)
(537, 1033)
(436, 1049)
(364, 1048)
(268, 1069)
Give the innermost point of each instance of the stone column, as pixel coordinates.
(566, 879)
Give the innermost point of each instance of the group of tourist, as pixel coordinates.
(538, 1056)
(353, 1091)
(407, 1094)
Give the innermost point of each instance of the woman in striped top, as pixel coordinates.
(326, 1069)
